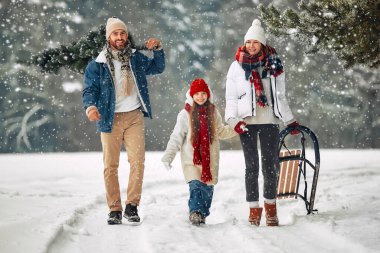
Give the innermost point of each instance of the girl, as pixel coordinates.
(255, 99)
(196, 133)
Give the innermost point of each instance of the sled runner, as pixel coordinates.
(295, 164)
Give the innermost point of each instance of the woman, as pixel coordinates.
(255, 105)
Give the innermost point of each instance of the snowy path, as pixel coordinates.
(77, 220)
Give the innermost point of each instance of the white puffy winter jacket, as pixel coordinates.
(241, 101)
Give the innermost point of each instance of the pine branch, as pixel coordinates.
(75, 56)
(346, 29)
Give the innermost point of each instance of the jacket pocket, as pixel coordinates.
(242, 95)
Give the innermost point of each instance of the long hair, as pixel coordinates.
(194, 120)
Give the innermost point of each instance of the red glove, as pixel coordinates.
(240, 127)
(295, 131)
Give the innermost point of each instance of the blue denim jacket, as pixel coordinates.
(99, 88)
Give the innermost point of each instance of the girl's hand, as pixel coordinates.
(167, 165)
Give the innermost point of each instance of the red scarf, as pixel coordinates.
(201, 146)
(266, 58)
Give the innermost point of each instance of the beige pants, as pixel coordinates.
(128, 128)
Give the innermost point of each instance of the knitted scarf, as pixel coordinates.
(126, 72)
(268, 59)
(201, 145)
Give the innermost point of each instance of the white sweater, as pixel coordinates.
(241, 101)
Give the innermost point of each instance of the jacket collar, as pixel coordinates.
(102, 56)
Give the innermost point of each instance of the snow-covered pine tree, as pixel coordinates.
(348, 29)
(33, 117)
(75, 56)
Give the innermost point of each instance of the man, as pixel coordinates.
(116, 95)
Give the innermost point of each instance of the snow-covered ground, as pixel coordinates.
(56, 203)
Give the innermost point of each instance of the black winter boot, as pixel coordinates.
(130, 213)
(114, 218)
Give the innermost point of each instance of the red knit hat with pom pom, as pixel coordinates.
(199, 85)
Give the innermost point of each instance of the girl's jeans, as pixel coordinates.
(200, 197)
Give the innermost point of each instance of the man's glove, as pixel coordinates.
(294, 131)
(240, 127)
(93, 114)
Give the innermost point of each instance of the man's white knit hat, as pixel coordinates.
(114, 24)
(256, 32)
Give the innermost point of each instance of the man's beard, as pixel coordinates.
(118, 46)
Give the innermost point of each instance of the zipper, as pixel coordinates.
(137, 89)
(275, 88)
(253, 100)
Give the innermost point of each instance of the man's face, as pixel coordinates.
(118, 39)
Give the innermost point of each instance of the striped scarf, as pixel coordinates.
(268, 59)
(126, 72)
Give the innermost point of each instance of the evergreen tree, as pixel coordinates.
(75, 56)
(29, 109)
(348, 29)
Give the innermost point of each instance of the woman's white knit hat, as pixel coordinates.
(256, 32)
(114, 24)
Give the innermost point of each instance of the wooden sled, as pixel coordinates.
(294, 166)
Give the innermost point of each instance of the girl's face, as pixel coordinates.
(200, 97)
(253, 47)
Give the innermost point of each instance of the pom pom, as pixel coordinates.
(256, 22)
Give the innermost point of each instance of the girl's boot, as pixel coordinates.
(271, 214)
(255, 215)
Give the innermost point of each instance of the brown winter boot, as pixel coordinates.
(271, 214)
(255, 215)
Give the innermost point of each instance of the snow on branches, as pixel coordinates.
(75, 56)
(348, 29)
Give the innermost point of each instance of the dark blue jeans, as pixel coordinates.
(200, 197)
(269, 137)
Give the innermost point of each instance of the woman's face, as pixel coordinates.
(200, 97)
(253, 47)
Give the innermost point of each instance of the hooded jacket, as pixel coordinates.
(180, 140)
